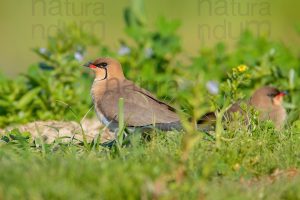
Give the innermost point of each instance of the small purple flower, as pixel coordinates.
(78, 56)
(124, 50)
(212, 87)
(148, 52)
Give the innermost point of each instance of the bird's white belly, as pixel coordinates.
(99, 114)
(102, 118)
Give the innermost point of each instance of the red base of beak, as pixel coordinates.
(282, 94)
(92, 66)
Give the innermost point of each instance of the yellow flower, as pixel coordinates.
(236, 167)
(242, 68)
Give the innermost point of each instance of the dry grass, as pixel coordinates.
(50, 130)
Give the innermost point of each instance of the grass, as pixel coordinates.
(243, 167)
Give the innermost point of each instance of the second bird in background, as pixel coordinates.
(266, 100)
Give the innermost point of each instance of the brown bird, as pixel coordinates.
(267, 100)
(141, 109)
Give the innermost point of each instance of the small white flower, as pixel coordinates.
(272, 51)
(212, 87)
(124, 50)
(78, 56)
(43, 50)
(148, 52)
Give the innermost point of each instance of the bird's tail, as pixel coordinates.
(207, 122)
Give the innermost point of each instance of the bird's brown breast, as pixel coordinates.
(277, 114)
(269, 111)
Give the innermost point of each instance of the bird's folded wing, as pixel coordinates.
(140, 107)
(132, 86)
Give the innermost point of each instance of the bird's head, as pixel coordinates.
(106, 68)
(268, 96)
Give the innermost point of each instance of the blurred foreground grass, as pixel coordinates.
(258, 166)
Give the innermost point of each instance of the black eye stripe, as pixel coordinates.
(273, 94)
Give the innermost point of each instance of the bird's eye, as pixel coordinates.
(103, 65)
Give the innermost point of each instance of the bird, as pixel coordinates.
(267, 100)
(142, 110)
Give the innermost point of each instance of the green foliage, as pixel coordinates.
(148, 57)
(56, 88)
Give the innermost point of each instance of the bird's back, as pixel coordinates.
(141, 108)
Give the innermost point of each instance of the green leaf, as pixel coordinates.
(28, 97)
(4, 103)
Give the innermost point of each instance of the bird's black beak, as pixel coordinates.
(88, 64)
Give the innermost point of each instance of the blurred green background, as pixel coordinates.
(27, 24)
